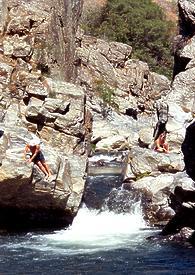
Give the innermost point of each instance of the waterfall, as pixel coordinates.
(93, 231)
(111, 218)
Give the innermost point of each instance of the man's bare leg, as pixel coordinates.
(46, 168)
(42, 168)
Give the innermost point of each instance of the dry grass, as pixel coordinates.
(92, 5)
(170, 8)
(92, 10)
(100, 3)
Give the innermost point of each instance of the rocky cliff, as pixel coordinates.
(43, 33)
(36, 58)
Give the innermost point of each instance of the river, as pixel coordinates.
(98, 242)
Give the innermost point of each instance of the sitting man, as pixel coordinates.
(160, 144)
(36, 156)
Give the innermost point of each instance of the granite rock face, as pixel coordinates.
(109, 65)
(42, 32)
(37, 52)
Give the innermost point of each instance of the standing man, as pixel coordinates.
(162, 110)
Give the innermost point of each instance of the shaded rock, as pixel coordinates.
(184, 212)
(186, 12)
(184, 236)
(188, 149)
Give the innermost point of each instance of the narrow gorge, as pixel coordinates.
(81, 96)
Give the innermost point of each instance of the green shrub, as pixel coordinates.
(141, 24)
(93, 147)
(143, 175)
(105, 92)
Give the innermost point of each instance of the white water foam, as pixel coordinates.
(92, 231)
(106, 157)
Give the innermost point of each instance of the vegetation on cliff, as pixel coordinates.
(141, 24)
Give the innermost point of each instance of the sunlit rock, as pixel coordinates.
(146, 136)
(182, 90)
(188, 50)
(5, 73)
(37, 89)
(112, 143)
(146, 161)
(34, 105)
(17, 46)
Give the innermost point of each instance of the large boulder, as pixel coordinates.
(153, 192)
(25, 190)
